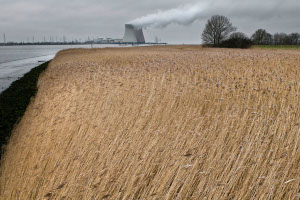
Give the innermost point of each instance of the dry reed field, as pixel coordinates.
(174, 122)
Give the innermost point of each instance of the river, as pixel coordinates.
(15, 61)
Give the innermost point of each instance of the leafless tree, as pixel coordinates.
(238, 35)
(217, 29)
(262, 37)
(294, 38)
(285, 39)
(281, 39)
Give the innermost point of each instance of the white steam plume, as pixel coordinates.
(183, 15)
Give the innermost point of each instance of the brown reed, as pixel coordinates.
(174, 122)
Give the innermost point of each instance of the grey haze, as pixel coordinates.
(21, 19)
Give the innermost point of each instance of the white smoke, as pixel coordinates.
(241, 9)
(184, 15)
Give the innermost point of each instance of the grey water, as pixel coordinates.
(15, 61)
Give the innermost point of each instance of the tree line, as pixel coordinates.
(262, 37)
(219, 32)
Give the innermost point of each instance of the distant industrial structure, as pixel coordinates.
(133, 35)
(101, 40)
(4, 38)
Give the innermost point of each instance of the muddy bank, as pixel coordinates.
(14, 101)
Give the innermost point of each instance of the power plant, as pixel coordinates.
(133, 35)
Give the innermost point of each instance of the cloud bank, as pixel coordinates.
(106, 18)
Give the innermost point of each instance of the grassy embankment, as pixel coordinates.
(277, 46)
(14, 101)
(179, 122)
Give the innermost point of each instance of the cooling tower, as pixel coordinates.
(133, 35)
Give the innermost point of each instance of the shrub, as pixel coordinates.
(237, 40)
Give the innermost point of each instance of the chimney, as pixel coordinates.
(133, 34)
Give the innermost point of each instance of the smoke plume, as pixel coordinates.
(243, 9)
(184, 15)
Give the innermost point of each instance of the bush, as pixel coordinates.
(236, 43)
(237, 40)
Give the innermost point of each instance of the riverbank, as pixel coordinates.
(15, 61)
(14, 101)
(174, 122)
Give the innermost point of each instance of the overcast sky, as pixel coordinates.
(22, 19)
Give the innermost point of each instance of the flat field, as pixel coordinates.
(174, 122)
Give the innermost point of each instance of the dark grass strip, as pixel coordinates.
(14, 101)
(286, 47)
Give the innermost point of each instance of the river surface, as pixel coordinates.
(15, 61)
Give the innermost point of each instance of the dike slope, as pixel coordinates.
(174, 122)
(14, 101)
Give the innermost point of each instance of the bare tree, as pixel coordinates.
(238, 35)
(261, 37)
(294, 38)
(217, 29)
(281, 39)
(269, 40)
(285, 39)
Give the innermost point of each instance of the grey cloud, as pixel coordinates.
(20, 19)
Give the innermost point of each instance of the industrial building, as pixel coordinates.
(106, 41)
(133, 35)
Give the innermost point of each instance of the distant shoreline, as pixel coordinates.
(73, 43)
